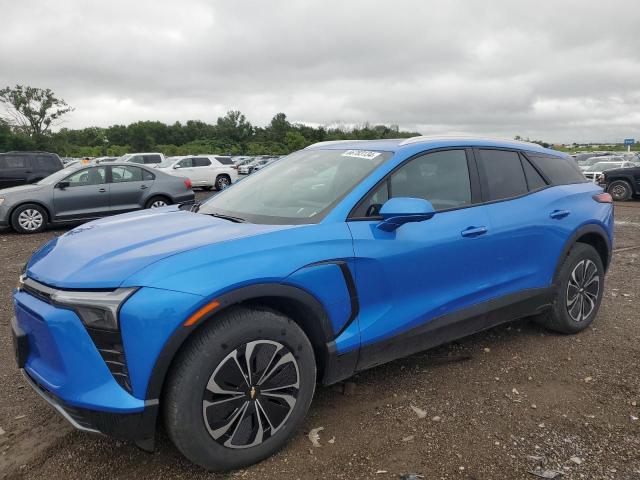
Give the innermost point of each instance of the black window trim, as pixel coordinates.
(479, 191)
(474, 181)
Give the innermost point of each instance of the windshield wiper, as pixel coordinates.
(227, 217)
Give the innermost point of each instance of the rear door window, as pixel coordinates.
(126, 174)
(559, 170)
(502, 174)
(201, 162)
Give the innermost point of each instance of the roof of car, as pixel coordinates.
(393, 145)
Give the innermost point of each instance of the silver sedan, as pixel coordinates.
(80, 194)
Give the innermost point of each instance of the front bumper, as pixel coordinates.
(4, 215)
(132, 426)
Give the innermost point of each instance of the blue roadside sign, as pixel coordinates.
(629, 141)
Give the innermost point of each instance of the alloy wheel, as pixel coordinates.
(223, 182)
(251, 394)
(30, 219)
(582, 290)
(158, 204)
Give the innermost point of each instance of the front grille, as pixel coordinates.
(111, 349)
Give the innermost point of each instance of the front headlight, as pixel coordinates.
(1, 201)
(97, 310)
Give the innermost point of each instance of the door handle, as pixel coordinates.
(558, 214)
(473, 231)
(143, 187)
(102, 190)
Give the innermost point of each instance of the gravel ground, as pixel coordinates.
(496, 405)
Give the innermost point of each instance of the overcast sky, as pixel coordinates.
(556, 70)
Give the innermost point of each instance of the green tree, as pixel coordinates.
(234, 127)
(279, 127)
(33, 110)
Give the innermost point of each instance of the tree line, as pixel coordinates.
(31, 114)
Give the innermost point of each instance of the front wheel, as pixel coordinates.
(579, 287)
(620, 190)
(29, 218)
(239, 389)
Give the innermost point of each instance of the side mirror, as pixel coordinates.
(397, 211)
(62, 185)
(175, 167)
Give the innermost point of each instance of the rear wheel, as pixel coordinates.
(239, 389)
(580, 284)
(620, 190)
(157, 202)
(29, 218)
(222, 182)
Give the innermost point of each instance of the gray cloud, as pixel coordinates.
(557, 70)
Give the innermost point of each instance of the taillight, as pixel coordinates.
(603, 197)
(187, 183)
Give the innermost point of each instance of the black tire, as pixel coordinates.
(222, 182)
(206, 356)
(561, 317)
(620, 190)
(29, 218)
(154, 202)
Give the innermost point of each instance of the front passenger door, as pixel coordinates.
(408, 277)
(83, 194)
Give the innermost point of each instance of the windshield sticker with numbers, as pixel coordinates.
(361, 154)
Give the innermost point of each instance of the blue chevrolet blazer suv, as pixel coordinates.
(220, 318)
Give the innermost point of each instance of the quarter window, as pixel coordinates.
(534, 179)
(89, 176)
(503, 174)
(559, 170)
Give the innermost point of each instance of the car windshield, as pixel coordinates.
(298, 189)
(603, 166)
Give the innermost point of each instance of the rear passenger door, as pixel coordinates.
(523, 213)
(129, 187)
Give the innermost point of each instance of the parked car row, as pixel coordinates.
(79, 193)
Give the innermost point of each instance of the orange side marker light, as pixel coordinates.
(193, 319)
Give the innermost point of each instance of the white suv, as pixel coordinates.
(149, 159)
(207, 171)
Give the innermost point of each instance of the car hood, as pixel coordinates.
(21, 189)
(103, 253)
